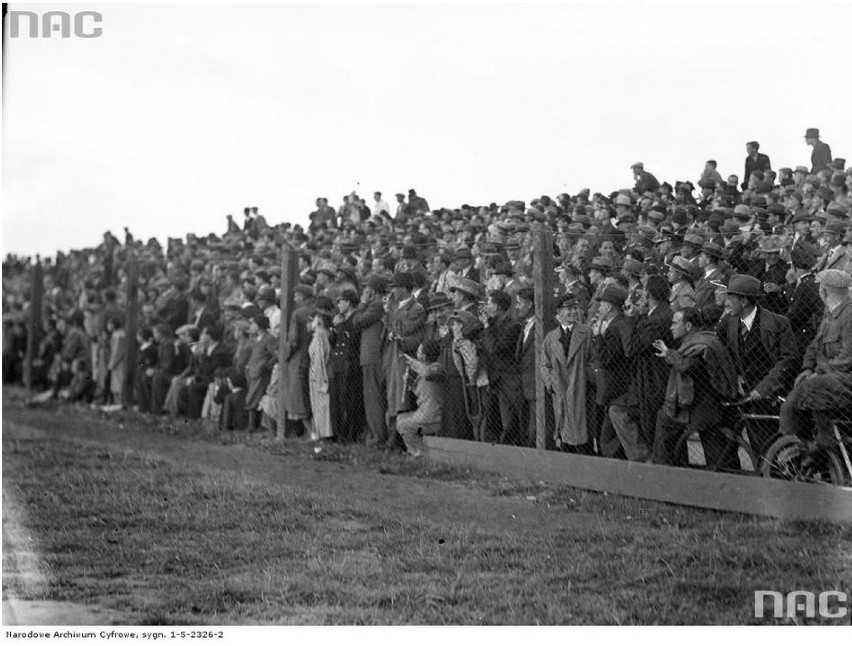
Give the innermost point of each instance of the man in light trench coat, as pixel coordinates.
(566, 369)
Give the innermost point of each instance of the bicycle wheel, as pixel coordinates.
(790, 458)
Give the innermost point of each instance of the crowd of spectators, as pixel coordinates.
(410, 320)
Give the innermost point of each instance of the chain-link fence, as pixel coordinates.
(694, 349)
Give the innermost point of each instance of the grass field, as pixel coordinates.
(157, 540)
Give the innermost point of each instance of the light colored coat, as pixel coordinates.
(567, 378)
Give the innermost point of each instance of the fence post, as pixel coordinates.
(34, 326)
(543, 285)
(131, 323)
(289, 271)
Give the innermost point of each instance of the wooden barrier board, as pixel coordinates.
(692, 487)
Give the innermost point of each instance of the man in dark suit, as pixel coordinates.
(821, 155)
(763, 348)
(647, 390)
(175, 308)
(710, 258)
(344, 372)
(613, 331)
(645, 181)
(204, 315)
(405, 325)
(463, 264)
(525, 355)
(806, 307)
(499, 342)
(754, 161)
(368, 321)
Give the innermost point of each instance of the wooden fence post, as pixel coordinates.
(130, 326)
(34, 326)
(289, 271)
(544, 322)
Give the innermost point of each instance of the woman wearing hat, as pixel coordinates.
(681, 277)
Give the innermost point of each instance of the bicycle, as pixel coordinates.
(793, 458)
(739, 444)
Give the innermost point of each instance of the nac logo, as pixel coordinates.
(82, 24)
(831, 604)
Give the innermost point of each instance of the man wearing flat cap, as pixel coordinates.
(824, 385)
(821, 155)
(645, 181)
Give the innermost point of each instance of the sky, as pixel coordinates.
(180, 114)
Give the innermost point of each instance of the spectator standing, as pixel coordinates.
(319, 351)
(702, 376)
(567, 372)
(499, 341)
(821, 154)
(368, 322)
(297, 360)
(755, 161)
(264, 354)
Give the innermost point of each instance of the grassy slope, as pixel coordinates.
(166, 545)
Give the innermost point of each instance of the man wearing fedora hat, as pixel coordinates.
(821, 155)
(405, 326)
(682, 278)
(612, 333)
(763, 347)
(465, 294)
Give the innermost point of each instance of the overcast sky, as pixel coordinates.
(180, 114)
